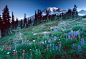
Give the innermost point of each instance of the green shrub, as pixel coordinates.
(75, 28)
(66, 31)
(84, 30)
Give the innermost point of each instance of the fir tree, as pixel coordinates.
(35, 21)
(25, 20)
(47, 15)
(69, 13)
(21, 24)
(6, 20)
(13, 22)
(75, 14)
(30, 21)
(16, 23)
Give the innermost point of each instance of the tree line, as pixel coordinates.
(7, 22)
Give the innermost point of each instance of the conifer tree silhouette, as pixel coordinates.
(6, 20)
(16, 23)
(25, 20)
(21, 24)
(35, 21)
(13, 22)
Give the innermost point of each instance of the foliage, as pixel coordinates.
(75, 28)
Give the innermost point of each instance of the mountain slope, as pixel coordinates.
(82, 13)
(53, 10)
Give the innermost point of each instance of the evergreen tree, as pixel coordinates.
(16, 23)
(69, 13)
(35, 21)
(13, 22)
(0, 26)
(75, 14)
(38, 16)
(30, 21)
(6, 20)
(21, 24)
(5, 14)
(25, 20)
(47, 14)
(1, 22)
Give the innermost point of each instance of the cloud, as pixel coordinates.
(81, 14)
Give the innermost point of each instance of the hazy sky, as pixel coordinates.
(19, 7)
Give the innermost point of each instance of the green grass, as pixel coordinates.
(28, 32)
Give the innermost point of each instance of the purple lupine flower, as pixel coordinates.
(73, 45)
(74, 33)
(69, 37)
(40, 42)
(56, 47)
(77, 33)
(50, 45)
(15, 47)
(66, 39)
(49, 40)
(47, 46)
(59, 45)
(53, 48)
(82, 36)
(83, 27)
(37, 50)
(82, 42)
(53, 45)
(79, 48)
(55, 37)
(45, 41)
(31, 54)
(59, 49)
(23, 43)
(75, 38)
(71, 32)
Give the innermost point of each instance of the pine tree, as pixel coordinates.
(69, 13)
(30, 21)
(6, 20)
(0, 22)
(5, 14)
(25, 20)
(13, 22)
(47, 14)
(21, 24)
(35, 21)
(0, 26)
(75, 11)
(16, 23)
(38, 17)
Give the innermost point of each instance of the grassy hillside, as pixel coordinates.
(68, 41)
(28, 33)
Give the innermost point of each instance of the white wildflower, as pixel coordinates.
(33, 40)
(8, 52)
(13, 50)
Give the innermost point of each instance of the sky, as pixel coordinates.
(19, 7)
